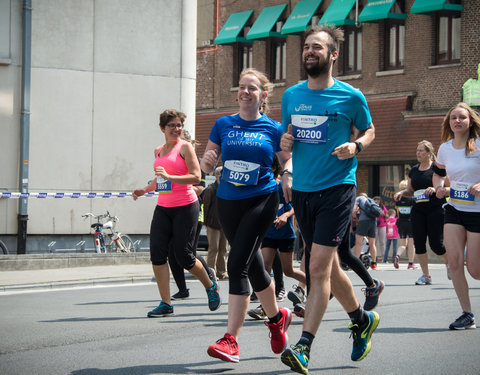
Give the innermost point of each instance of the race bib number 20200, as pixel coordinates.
(310, 129)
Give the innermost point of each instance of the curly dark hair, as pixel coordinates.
(169, 114)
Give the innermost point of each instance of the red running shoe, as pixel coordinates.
(374, 265)
(225, 349)
(278, 331)
(396, 261)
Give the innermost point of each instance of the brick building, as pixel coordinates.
(409, 57)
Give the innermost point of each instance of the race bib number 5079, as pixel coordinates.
(240, 172)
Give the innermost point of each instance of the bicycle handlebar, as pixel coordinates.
(103, 216)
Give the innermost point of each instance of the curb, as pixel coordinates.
(77, 283)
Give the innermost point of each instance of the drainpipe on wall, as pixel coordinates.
(25, 125)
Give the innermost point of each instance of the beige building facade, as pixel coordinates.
(101, 73)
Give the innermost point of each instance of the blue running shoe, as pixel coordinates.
(296, 357)
(214, 300)
(361, 336)
(161, 310)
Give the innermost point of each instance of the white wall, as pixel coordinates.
(102, 71)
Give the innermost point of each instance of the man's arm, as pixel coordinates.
(350, 149)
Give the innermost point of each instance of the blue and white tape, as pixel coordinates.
(18, 195)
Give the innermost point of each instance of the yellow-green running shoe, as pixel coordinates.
(296, 357)
(362, 335)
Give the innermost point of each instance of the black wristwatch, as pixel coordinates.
(359, 146)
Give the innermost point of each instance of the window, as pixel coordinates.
(350, 60)
(448, 37)
(277, 56)
(242, 56)
(278, 59)
(394, 45)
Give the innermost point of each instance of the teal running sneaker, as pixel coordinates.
(296, 357)
(161, 310)
(214, 300)
(361, 336)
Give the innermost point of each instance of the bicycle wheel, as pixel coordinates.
(126, 243)
(3, 248)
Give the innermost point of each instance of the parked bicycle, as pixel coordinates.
(106, 239)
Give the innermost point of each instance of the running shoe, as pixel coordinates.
(396, 261)
(464, 321)
(296, 357)
(372, 295)
(299, 310)
(181, 294)
(449, 275)
(225, 349)
(278, 331)
(213, 294)
(161, 310)
(412, 266)
(362, 336)
(374, 265)
(253, 297)
(297, 295)
(424, 280)
(281, 295)
(257, 313)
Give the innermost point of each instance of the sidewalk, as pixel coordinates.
(75, 276)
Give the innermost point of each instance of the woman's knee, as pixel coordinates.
(474, 272)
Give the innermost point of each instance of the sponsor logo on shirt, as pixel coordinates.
(303, 107)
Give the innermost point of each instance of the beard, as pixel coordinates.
(322, 67)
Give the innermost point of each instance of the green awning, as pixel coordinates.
(233, 27)
(262, 28)
(337, 13)
(378, 10)
(301, 16)
(426, 6)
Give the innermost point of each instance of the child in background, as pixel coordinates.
(392, 236)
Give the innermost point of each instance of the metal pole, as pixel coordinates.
(25, 125)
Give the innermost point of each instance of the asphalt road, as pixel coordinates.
(104, 331)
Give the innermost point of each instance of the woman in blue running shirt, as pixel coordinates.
(247, 205)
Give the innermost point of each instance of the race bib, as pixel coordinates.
(163, 186)
(309, 129)
(405, 210)
(240, 173)
(459, 193)
(420, 197)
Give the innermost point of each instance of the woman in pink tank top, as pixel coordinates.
(175, 217)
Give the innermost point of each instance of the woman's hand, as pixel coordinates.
(138, 193)
(430, 190)
(280, 221)
(210, 159)
(474, 189)
(398, 196)
(160, 171)
(441, 192)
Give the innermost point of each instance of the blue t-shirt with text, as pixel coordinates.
(248, 142)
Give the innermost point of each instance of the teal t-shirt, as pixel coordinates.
(324, 120)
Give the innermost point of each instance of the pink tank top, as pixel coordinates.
(392, 229)
(174, 164)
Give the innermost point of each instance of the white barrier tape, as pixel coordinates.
(17, 195)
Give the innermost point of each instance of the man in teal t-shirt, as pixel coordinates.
(318, 118)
